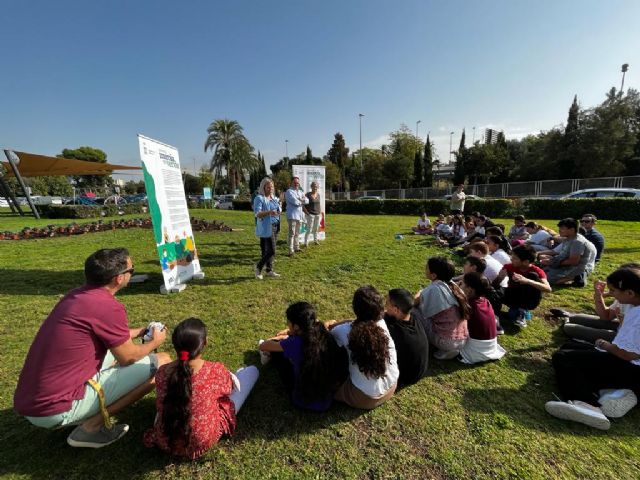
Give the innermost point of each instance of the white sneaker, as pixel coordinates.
(265, 357)
(616, 403)
(273, 274)
(580, 412)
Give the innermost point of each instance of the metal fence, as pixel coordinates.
(540, 188)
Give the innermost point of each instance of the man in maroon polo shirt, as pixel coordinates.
(86, 338)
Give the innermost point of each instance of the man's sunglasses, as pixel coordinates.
(585, 221)
(128, 270)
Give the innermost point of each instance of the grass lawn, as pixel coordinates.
(460, 422)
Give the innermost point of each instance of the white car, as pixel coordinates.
(605, 193)
(225, 202)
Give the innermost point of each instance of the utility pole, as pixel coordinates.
(450, 146)
(417, 123)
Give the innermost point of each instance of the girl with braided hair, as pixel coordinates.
(196, 400)
(309, 361)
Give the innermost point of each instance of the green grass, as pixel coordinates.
(459, 422)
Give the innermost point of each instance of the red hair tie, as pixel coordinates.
(184, 355)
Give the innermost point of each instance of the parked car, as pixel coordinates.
(605, 193)
(225, 202)
(369, 197)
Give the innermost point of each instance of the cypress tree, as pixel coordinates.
(427, 178)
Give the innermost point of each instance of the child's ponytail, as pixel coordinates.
(189, 339)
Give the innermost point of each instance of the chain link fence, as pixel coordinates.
(540, 188)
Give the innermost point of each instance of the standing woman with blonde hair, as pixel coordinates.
(266, 209)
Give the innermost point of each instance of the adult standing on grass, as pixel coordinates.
(313, 211)
(295, 199)
(457, 200)
(266, 208)
(70, 376)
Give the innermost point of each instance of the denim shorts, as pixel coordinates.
(116, 381)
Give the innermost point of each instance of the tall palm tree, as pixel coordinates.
(231, 150)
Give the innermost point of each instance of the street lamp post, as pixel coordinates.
(286, 149)
(360, 115)
(450, 146)
(624, 69)
(417, 123)
(474, 136)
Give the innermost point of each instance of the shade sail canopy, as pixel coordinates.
(32, 165)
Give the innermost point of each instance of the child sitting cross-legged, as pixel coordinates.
(525, 287)
(373, 365)
(311, 364)
(586, 374)
(482, 344)
(412, 345)
(196, 400)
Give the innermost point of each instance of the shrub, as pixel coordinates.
(493, 208)
(90, 211)
(242, 205)
(604, 208)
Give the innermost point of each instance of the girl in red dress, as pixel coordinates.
(194, 399)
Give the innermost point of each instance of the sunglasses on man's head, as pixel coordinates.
(585, 221)
(128, 270)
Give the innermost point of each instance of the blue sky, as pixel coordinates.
(97, 73)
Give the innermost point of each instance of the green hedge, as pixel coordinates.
(544, 208)
(604, 208)
(90, 211)
(492, 208)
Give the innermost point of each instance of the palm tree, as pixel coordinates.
(231, 150)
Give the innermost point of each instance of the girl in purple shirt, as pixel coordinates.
(311, 364)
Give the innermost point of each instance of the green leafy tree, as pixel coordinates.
(56, 186)
(192, 184)
(282, 180)
(417, 170)
(232, 151)
(89, 154)
(462, 161)
(338, 154)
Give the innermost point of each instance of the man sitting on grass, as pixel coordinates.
(588, 222)
(83, 365)
(575, 259)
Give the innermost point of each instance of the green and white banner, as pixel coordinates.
(175, 244)
(308, 174)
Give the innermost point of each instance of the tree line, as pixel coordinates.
(596, 141)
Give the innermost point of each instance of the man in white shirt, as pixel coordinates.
(457, 200)
(295, 199)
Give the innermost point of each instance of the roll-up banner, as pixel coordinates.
(175, 244)
(308, 174)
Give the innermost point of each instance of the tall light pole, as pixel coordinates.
(360, 115)
(624, 69)
(450, 146)
(286, 149)
(417, 123)
(474, 136)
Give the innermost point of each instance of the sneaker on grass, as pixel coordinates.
(616, 403)
(273, 274)
(580, 412)
(79, 437)
(257, 272)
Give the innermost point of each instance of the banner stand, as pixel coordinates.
(174, 240)
(181, 286)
